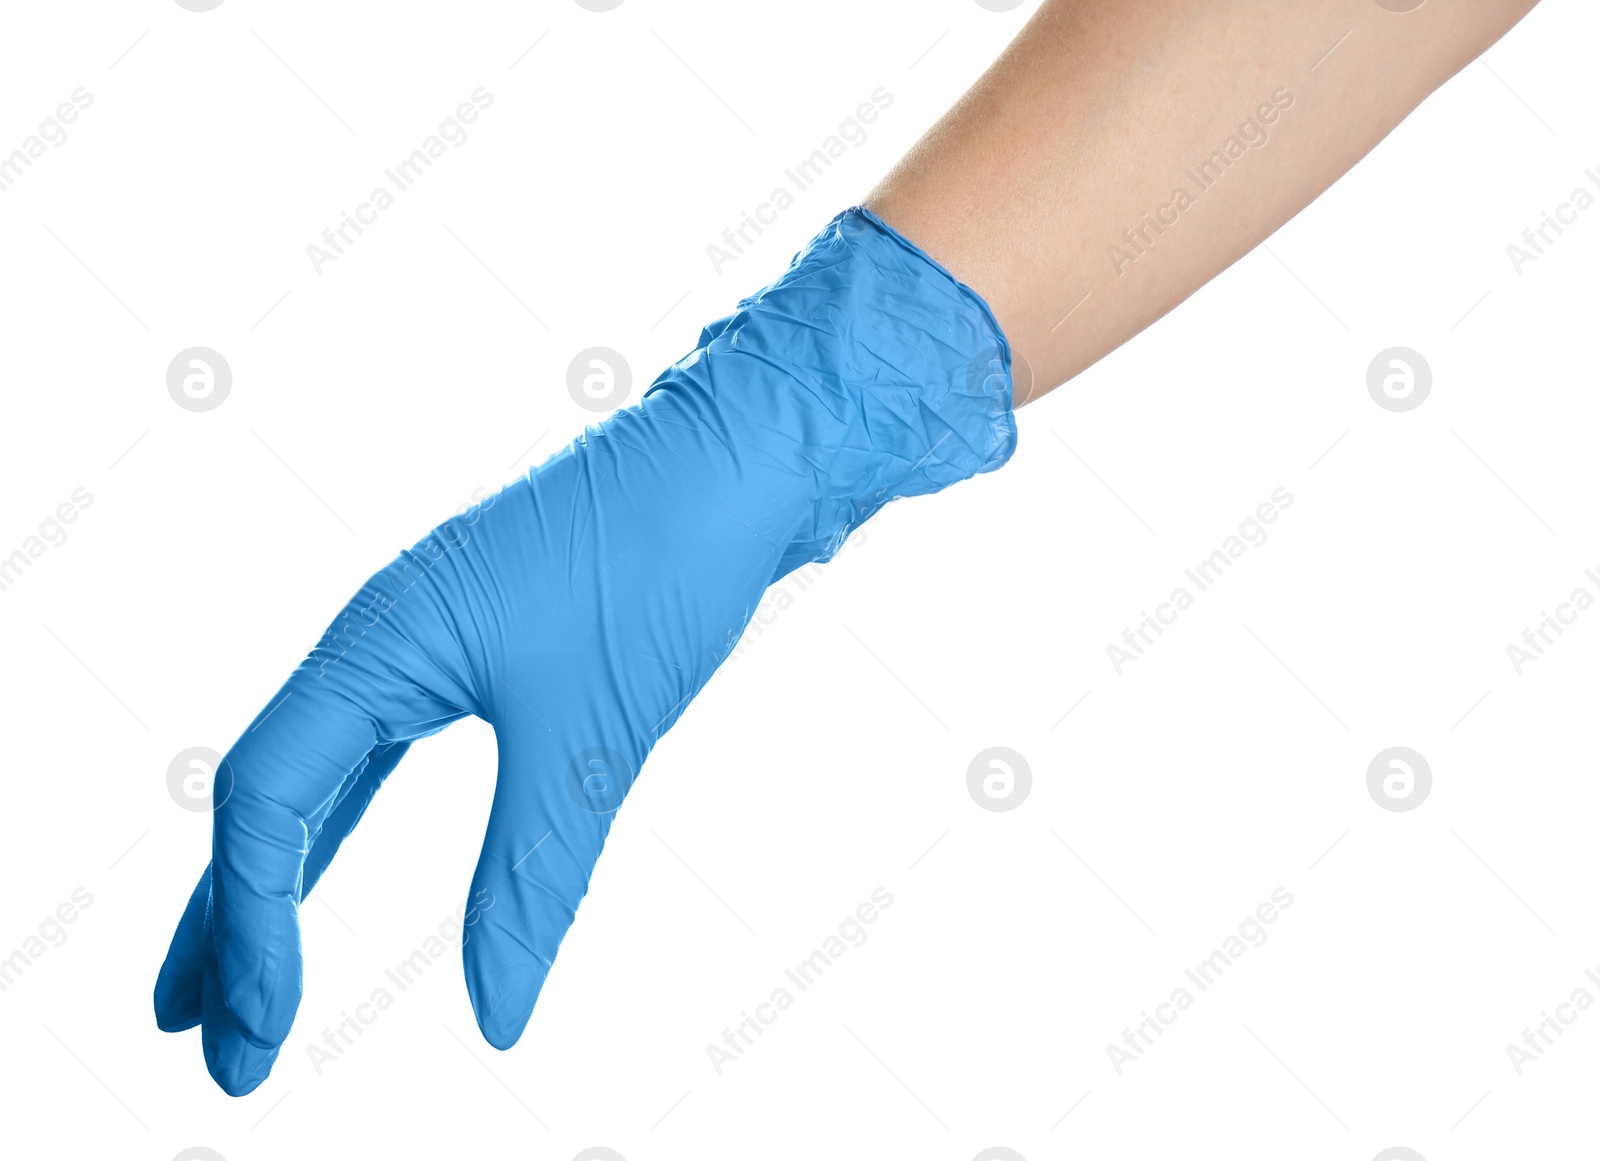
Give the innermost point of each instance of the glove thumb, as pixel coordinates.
(553, 807)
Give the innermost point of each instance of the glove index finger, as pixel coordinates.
(287, 770)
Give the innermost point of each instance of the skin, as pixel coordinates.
(1094, 113)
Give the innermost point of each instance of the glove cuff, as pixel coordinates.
(882, 375)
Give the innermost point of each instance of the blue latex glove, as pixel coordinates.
(579, 610)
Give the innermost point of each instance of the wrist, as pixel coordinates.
(866, 373)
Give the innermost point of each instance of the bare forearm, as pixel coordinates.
(1119, 155)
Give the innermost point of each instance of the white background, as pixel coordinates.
(1230, 760)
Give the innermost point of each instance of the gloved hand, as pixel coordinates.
(578, 611)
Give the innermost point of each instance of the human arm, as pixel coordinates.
(1085, 185)
(581, 609)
